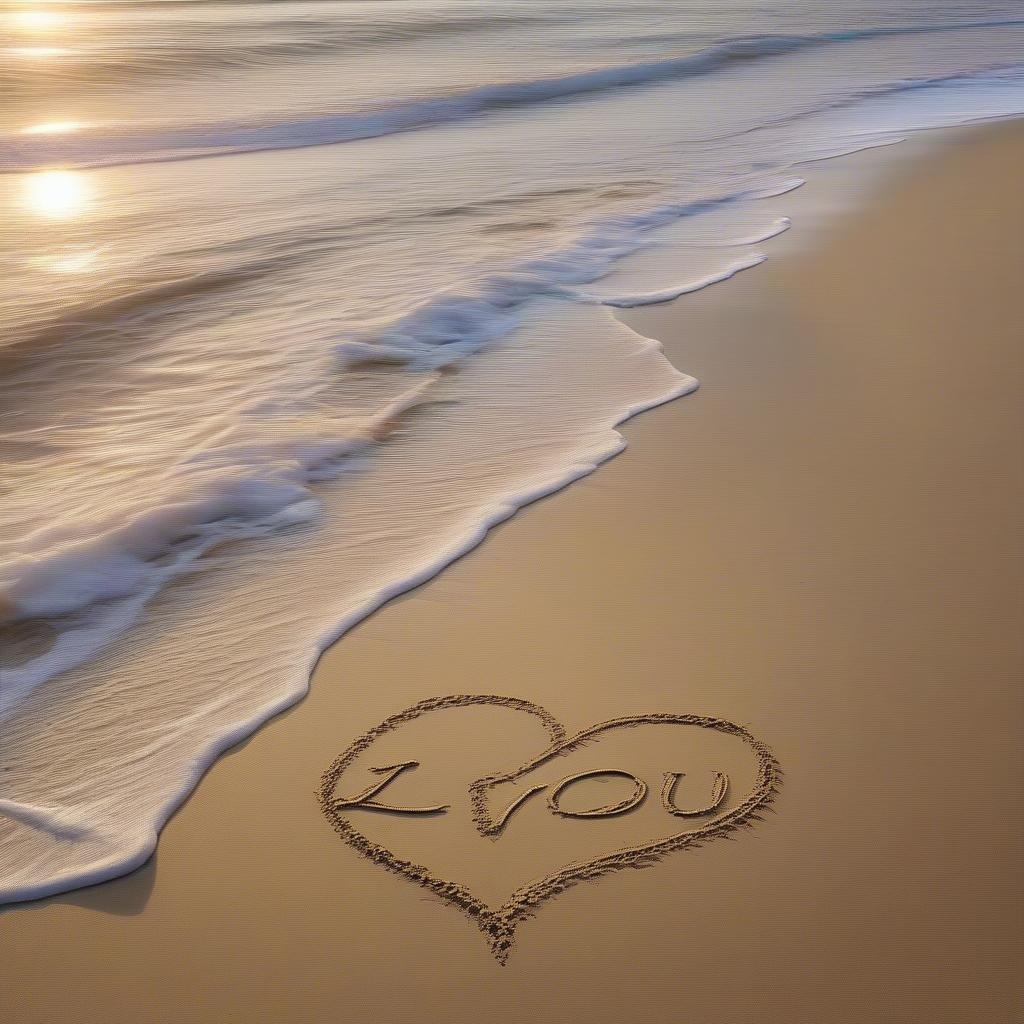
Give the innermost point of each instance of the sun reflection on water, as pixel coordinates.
(53, 128)
(73, 261)
(58, 195)
(38, 20)
(37, 51)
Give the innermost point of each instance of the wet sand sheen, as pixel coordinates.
(821, 545)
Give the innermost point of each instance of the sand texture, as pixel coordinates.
(819, 550)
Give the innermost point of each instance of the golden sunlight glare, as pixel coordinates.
(57, 194)
(53, 128)
(38, 20)
(74, 262)
(37, 51)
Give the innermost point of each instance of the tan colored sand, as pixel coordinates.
(822, 545)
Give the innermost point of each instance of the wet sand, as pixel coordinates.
(821, 546)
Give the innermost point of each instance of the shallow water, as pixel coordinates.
(299, 297)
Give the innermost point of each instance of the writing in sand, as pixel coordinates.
(719, 789)
(730, 779)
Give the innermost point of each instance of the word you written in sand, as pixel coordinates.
(495, 804)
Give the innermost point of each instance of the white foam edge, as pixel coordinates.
(675, 292)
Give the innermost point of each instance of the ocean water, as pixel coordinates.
(298, 298)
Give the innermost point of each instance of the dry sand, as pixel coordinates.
(822, 546)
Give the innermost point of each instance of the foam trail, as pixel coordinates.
(452, 325)
(780, 226)
(60, 823)
(109, 575)
(668, 294)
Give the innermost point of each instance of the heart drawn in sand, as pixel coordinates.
(499, 922)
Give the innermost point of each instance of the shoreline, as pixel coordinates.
(559, 542)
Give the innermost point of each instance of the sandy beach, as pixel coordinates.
(820, 546)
